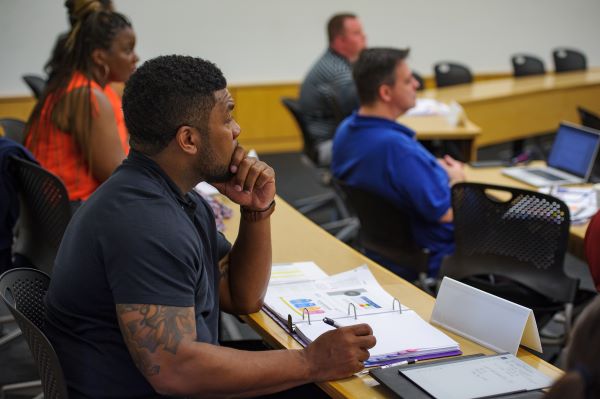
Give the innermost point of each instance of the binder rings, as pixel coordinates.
(352, 297)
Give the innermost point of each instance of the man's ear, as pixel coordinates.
(385, 93)
(188, 139)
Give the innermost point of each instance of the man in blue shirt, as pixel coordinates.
(372, 151)
(142, 272)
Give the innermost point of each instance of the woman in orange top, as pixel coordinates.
(77, 130)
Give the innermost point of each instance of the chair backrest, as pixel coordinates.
(514, 233)
(384, 228)
(588, 118)
(451, 73)
(527, 65)
(44, 214)
(419, 79)
(293, 106)
(36, 83)
(14, 129)
(566, 60)
(23, 291)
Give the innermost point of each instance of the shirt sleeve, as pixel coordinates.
(421, 184)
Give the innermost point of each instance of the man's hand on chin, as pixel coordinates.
(252, 184)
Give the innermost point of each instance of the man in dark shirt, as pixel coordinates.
(328, 94)
(142, 271)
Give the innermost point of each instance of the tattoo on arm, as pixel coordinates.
(224, 267)
(146, 328)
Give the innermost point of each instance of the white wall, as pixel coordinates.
(276, 40)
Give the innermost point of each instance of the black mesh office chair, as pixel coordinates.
(566, 60)
(36, 83)
(588, 118)
(450, 74)
(385, 229)
(14, 129)
(512, 243)
(23, 291)
(591, 120)
(345, 227)
(44, 214)
(527, 65)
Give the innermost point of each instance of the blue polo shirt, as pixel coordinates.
(382, 156)
(137, 240)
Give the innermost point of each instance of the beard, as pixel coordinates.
(209, 168)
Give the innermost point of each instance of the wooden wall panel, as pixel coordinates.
(266, 125)
(16, 107)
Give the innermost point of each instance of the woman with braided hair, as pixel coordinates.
(77, 130)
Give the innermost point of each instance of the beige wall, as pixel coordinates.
(266, 125)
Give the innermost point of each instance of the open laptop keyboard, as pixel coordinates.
(546, 175)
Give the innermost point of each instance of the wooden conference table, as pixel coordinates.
(434, 127)
(295, 238)
(516, 108)
(494, 176)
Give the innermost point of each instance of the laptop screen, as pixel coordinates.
(574, 150)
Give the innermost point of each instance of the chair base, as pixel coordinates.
(22, 386)
(309, 204)
(10, 337)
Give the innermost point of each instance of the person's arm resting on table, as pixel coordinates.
(455, 171)
(162, 339)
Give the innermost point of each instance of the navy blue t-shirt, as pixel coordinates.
(382, 156)
(137, 240)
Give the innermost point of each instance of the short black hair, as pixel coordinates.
(166, 93)
(376, 66)
(335, 26)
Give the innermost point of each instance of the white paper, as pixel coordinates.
(455, 115)
(398, 334)
(484, 318)
(286, 273)
(206, 189)
(477, 377)
(334, 297)
(428, 106)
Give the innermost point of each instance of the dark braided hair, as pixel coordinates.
(77, 10)
(96, 30)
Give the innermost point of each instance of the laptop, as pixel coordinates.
(570, 161)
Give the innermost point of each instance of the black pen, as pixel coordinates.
(331, 322)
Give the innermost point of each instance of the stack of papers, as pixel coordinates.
(427, 107)
(581, 201)
(352, 297)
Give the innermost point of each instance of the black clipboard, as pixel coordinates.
(403, 387)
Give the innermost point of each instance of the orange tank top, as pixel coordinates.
(57, 150)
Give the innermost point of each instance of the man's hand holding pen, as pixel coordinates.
(340, 353)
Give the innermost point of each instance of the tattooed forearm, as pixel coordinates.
(148, 328)
(224, 267)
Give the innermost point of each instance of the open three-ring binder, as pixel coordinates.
(349, 298)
